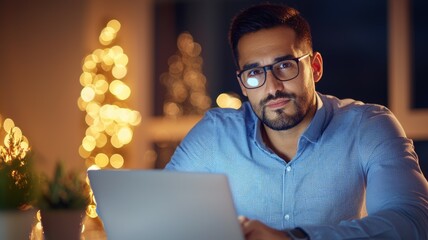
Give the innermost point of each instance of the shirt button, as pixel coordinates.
(288, 168)
(287, 217)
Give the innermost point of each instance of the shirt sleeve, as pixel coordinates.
(195, 150)
(396, 190)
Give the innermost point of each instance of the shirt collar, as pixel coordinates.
(317, 124)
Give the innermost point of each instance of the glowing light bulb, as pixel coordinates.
(88, 143)
(119, 71)
(120, 89)
(89, 65)
(85, 79)
(116, 161)
(8, 124)
(114, 140)
(101, 160)
(124, 135)
(101, 140)
(87, 94)
(115, 51)
(101, 86)
(121, 60)
(115, 24)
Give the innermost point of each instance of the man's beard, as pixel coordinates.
(282, 120)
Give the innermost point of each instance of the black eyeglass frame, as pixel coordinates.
(269, 67)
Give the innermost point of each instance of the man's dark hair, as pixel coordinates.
(265, 16)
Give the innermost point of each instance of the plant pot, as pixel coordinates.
(16, 224)
(62, 224)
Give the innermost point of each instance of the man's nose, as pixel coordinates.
(272, 83)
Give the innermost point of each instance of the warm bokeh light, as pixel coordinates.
(101, 86)
(116, 161)
(89, 64)
(101, 160)
(8, 124)
(225, 100)
(101, 140)
(115, 24)
(108, 34)
(115, 142)
(124, 135)
(119, 71)
(85, 79)
(120, 89)
(87, 94)
(171, 109)
(121, 60)
(88, 143)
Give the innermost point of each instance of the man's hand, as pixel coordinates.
(255, 230)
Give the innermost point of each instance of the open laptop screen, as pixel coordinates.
(161, 205)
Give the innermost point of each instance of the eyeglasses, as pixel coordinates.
(283, 70)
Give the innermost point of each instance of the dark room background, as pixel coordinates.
(351, 36)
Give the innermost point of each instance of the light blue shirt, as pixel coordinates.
(351, 156)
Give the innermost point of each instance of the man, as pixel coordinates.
(303, 165)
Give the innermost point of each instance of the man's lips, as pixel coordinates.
(277, 103)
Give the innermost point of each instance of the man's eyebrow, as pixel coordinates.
(282, 58)
(277, 59)
(249, 66)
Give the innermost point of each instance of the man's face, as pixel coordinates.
(280, 105)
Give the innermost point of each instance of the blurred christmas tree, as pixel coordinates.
(110, 122)
(185, 82)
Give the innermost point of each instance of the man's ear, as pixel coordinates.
(243, 89)
(317, 66)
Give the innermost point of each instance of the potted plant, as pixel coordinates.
(62, 201)
(17, 186)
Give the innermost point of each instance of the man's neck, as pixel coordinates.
(284, 143)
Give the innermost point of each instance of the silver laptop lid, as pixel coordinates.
(164, 205)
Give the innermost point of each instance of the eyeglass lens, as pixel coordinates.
(283, 70)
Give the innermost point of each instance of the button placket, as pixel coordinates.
(288, 196)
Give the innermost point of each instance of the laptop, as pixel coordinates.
(164, 205)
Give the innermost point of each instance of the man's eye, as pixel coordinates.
(284, 65)
(254, 72)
